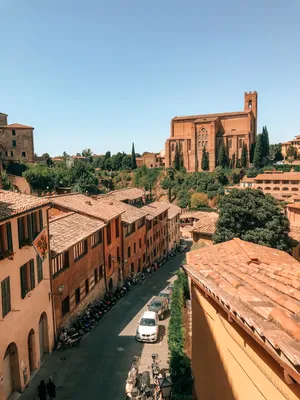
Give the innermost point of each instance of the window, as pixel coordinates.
(189, 145)
(65, 306)
(118, 254)
(117, 227)
(181, 146)
(132, 268)
(13, 132)
(144, 257)
(128, 252)
(80, 249)
(109, 261)
(172, 147)
(5, 294)
(60, 262)
(96, 275)
(87, 287)
(11, 153)
(101, 274)
(29, 227)
(77, 295)
(108, 233)
(6, 153)
(23, 153)
(134, 248)
(27, 278)
(250, 104)
(6, 243)
(14, 143)
(96, 239)
(151, 240)
(230, 143)
(141, 223)
(39, 264)
(240, 143)
(139, 265)
(140, 243)
(148, 243)
(32, 274)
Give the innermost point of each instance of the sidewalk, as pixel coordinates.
(50, 367)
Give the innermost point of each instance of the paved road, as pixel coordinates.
(97, 369)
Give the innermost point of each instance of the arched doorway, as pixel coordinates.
(110, 285)
(31, 351)
(11, 373)
(43, 335)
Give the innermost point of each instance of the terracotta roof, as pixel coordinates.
(202, 116)
(206, 223)
(127, 194)
(258, 286)
(192, 214)
(279, 177)
(295, 233)
(96, 208)
(17, 126)
(173, 209)
(154, 209)
(71, 228)
(12, 203)
(130, 213)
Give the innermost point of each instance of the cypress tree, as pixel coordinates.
(258, 152)
(244, 156)
(222, 159)
(133, 158)
(232, 161)
(266, 143)
(177, 159)
(205, 160)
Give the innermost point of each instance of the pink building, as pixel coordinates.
(26, 324)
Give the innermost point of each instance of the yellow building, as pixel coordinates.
(245, 322)
(26, 322)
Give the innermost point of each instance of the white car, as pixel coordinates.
(147, 330)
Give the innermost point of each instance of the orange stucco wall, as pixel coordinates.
(25, 313)
(227, 363)
(136, 258)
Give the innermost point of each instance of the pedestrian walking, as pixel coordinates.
(42, 392)
(51, 388)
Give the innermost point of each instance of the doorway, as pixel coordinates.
(11, 374)
(43, 335)
(31, 352)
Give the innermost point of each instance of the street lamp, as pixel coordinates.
(60, 289)
(165, 385)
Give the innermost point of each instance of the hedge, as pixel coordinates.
(180, 364)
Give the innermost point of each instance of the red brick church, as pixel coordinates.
(192, 133)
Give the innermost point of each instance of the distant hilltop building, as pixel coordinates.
(295, 143)
(192, 133)
(16, 141)
(151, 160)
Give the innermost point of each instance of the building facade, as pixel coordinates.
(26, 325)
(77, 264)
(157, 230)
(192, 133)
(295, 143)
(16, 142)
(173, 237)
(151, 160)
(245, 337)
(204, 228)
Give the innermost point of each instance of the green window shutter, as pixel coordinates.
(20, 232)
(41, 219)
(33, 225)
(32, 275)
(5, 294)
(29, 227)
(9, 237)
(23, 278)
(39, 268)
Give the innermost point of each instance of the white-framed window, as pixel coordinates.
(79, 249)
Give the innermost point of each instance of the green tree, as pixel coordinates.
(222, 158)
(184, 198)
(48, 159)
(258, 152)
(6, 185)
(205, 160)
(244, 156)
(126, 163)
(133, 158)
(291, 153)
(83, 178)
(86, 152)
(254, 217)
(199, 200)
(176, 162)
(275, 152)
(265, 140)
(108, 164)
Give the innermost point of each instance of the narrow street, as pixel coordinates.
(98, 367)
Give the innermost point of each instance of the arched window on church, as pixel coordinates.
(206, 144)
(206, 136)
(229, 143)
(172, 147)
(250, 104)
(202, 144)
(189, 145)
(181, 146)
(203, 130)
(240, 143)
(202, 136)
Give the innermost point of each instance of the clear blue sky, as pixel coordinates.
(104, 74)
